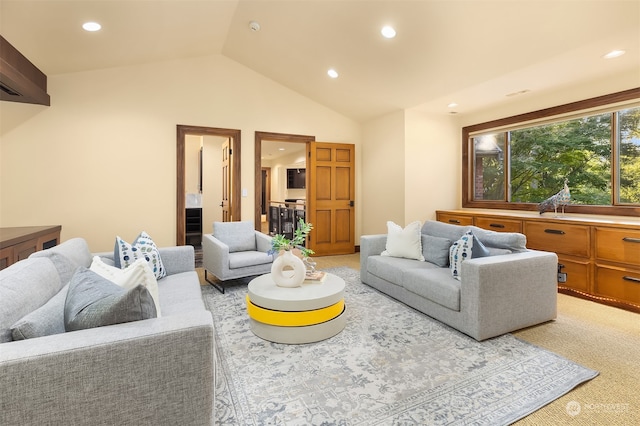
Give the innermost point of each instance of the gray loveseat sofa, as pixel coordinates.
(510, 289)
(153, 371)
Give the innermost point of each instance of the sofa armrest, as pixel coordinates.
(176, 259)
(370, 245)
(508, 292)
(215, 256)
(263, 242)
(156, 371)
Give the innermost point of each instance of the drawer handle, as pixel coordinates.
(632, 279)
(631, 240)
(454, 221)
(554, 231)
(496, 225)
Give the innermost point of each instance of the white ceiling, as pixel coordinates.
(473, 52)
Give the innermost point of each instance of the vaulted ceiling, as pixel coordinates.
(472, 52)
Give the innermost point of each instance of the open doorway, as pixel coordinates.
(207, 136)
(261, 199)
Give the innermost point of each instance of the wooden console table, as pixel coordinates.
(598, 258)
(18, 243)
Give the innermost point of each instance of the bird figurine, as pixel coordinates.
(561, 199)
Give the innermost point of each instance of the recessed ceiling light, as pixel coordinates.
(254, 26)
(91, 26)
(614, 54)
(280, 149)
(452, 105)
(519, 92)
(332, 73)
(388, 32)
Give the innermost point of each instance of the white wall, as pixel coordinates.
(101, 160)
(383, 173)
(535, 101)
(433, 165)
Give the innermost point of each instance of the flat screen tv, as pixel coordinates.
(296, 178)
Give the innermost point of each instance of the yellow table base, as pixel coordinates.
(296, 318)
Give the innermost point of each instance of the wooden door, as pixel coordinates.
(331, 197)
(226, 181)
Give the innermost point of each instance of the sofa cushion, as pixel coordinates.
(94, 301)
(243, 259)
(512, 241)
(435, 284)
(24, 287)
(436, 250)
(137, 273)
(67, 257)
(142, 247)
(391, 268)
(238, 236)
(181, 294)
(405, 242)
(48, 319)
(443, 230)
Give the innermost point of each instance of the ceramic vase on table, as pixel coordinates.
(288, 270)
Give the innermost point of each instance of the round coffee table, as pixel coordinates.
(305, 314)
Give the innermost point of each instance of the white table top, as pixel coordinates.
(264, 292)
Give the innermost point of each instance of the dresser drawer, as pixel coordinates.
(618, 283)
(455, 219)
(498, 224)
(560, 238)
(618, 245)
(577, 273)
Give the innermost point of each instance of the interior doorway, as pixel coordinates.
(266, 195)
(261, 201)
(233, 137)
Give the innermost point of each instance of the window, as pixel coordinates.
(518, 162)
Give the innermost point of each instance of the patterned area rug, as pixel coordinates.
(391, 365)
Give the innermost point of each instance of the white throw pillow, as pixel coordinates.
(139, 272)
(405, 242)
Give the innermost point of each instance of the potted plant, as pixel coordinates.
(287, 269)
(280, 242)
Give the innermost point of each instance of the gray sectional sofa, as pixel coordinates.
(509, 289)
(152, 371)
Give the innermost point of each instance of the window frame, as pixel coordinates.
(531, 117)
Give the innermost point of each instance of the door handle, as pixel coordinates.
(222, 204)
(351, 203)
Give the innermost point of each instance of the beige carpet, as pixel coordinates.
(596, 336)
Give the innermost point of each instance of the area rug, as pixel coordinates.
(391, 365)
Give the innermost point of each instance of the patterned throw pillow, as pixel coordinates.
(467, 247)
(143, 247)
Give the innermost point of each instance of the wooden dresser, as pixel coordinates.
(598, 258)
(18, 243)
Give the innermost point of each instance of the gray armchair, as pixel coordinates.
(235, 250)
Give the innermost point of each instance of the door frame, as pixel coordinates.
(235, 144)
(259, 137)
